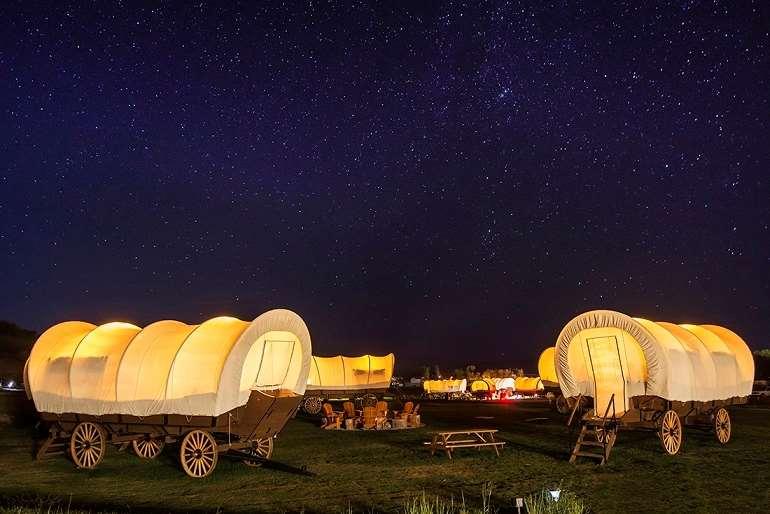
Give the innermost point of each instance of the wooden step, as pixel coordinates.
(592, 443)
(51, 447)
(589, 454)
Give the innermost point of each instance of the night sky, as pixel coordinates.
(447, 181)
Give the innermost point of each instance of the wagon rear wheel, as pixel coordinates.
(148, 447)
(262, 448)
(88, 444)
(670, 432)
(722, 425)
(198, 453)
(312, 405)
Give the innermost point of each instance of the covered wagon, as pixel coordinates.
(224, 386)
(448, 389)
(546, 368)
(507, 384)
(364, 378)
(528, 386)
(655, 375)
(483, 388)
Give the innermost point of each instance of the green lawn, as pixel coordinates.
(378, 471)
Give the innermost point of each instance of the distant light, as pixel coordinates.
(555, 494)
(11, 384)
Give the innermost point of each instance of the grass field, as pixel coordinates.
(380, 471)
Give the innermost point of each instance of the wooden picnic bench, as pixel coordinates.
(471, 438)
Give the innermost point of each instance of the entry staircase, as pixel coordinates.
(597, 434)
(51, 446)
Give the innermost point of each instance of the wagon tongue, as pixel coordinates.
(269, 463)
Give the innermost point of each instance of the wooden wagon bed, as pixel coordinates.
(246, 431)
(598, 433)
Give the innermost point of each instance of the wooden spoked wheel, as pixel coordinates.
(670, 432)
(148, 447)
(722, 425)
(262, 448)
(88, 444)
(198, 453)
(312, 405)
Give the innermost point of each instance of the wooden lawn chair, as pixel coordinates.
(370, 417)
(332, 418)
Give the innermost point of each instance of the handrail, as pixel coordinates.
(605, 436)
(574, 409)
(607, 410)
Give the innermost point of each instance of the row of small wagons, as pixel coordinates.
(482, 387)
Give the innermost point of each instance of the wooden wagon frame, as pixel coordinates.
(665, 417)
(245, 433)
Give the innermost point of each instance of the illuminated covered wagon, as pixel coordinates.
(342, 377)
(482, 387)
(449, 389)
(528, 386)
(225, 385)
(653, 375)
(546, 368)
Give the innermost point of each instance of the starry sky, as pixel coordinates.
(450, 181)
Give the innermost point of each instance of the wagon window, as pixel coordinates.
(273, 364)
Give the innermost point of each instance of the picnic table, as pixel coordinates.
(470, 438)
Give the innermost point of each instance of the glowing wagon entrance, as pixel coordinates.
(653, 375)
(225, 386)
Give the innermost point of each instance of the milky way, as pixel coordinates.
(452, 181)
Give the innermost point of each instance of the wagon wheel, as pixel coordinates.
(562, 405)
(312, 405)
(88, 444)
(722, 425)
(670, 432)
(148, 447)
(198, 453)
(262, 448)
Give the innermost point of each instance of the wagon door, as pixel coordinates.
(607, 368)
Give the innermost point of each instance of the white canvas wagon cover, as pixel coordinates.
(168, 367)
(675, 362)
(445, 386)
(342, 373)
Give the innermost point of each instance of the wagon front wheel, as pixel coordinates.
(262, 448)
(670, 432)
(198, 453)
(88, 444)
(722, 425)
(148, 447)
